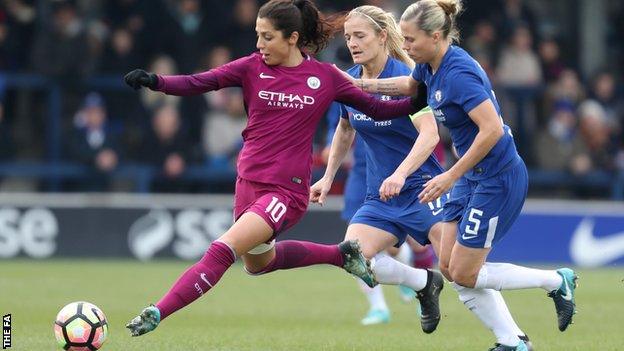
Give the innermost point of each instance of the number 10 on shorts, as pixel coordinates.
(276, 209)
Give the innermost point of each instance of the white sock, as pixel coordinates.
(375, 296)
(484, 304)
(392, 272)
(502, 305)
(405, 254)
(507, 276)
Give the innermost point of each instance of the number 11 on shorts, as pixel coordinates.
(276, 209)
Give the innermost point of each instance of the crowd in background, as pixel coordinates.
(571, 122)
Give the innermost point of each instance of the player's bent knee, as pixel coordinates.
(254, 271)
(446, 273)
(368, 252)
(463, 278)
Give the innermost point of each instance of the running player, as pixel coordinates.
(286, 93)
(398, 163)
(489, 182)
(410, 253)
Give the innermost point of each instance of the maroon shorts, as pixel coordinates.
(279, 207)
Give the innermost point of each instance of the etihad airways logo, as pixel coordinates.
(285, 100)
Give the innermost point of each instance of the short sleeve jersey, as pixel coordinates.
(388, 142)
(458, 86)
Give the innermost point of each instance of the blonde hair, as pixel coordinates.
(433, 15)
(381, 20)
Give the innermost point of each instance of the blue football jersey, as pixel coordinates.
(458, 86)
(387, 143)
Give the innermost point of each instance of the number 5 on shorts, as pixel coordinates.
(475, 221)
(276, 209)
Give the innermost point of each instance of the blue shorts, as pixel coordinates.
(401, 216)
(354, 193)
(487, 208)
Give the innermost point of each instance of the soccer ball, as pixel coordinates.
(80, 326)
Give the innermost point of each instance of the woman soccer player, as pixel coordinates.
(489, 182)
(398, 163)
(410, 253)
(286, 93)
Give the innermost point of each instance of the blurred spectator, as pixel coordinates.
(552, 66)
(603, 92)
(121, 55)
(186, 33)
(162, 65)
(514, 14)
(217, 57)
(5, 61)
(482, 42)
(557, 144)
(223, 127)
(62, 51)
(519, 65)
(598, 152)
(241, 34)
(17, 22)
(567, 88)
(93, 144)
(127, 13)
(7, 148)
(167, 149)
(195, 108)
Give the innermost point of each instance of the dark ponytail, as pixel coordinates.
(302, 16)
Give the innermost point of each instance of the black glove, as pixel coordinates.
(419, 100)
(139, 78)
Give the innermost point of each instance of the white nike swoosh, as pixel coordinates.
(568, 294)
(266, 76)
(203, 277)
(435, 213)
(588, 251)
(468, 237)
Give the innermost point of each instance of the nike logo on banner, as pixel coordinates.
(587, 250)
(266, 76)
(203, 277)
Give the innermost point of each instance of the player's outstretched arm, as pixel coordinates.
(228, 75)
(341, 143)
(395, 86)
(424, 145)
(173, 85)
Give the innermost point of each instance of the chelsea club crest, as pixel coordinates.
(438, 95)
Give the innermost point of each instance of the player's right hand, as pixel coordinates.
(391, 187)
(139, 78)
(318, 191)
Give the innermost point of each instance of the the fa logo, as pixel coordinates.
(314, 82)
(385, 98)
(438, 95)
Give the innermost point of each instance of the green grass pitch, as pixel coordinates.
(315, 308)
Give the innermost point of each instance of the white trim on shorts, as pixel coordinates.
(491, 232)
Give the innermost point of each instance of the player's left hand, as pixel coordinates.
(391, 187)
(437, 186)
